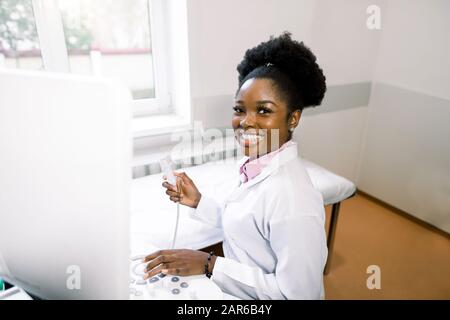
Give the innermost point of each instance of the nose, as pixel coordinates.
(249, 121)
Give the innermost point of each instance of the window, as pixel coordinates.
(113, 38)
(19, 43)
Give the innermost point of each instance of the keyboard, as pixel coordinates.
(168, 287)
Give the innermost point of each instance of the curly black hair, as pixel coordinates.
(292, 67)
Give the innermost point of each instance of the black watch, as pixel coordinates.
(207, 272)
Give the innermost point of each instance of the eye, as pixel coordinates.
(264, 110)
(238, 109)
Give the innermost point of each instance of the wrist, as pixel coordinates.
(197, 201)
(209, 264)
(212, 263)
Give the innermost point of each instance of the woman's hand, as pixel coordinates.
(185, 192)
(182, 262)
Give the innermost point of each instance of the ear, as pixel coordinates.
(294, 119)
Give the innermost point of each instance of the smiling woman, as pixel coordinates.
(273, 218)
(261, 120)
(277, 80)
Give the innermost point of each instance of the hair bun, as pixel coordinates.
(292, 58)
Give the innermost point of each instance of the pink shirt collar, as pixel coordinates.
(251, 168)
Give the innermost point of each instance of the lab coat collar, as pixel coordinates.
(242, 161)
(285, 155)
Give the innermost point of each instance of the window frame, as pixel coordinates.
(55, 56)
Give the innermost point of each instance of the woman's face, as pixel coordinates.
(260, 120)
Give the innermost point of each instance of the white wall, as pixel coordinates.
(406, 155)
(415, 46)
(346, 50)
(221, 31)
(333, 140)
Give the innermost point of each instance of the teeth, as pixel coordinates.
(252, 138)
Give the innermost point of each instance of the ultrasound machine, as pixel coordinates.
(65, 175)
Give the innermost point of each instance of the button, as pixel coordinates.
(139, 269)
(138, 293)
(184, 285)
(153, 280)
(132, 291)
(141, 281)
(175, 291)
(162, 275)
(175, 279)
(131, 281)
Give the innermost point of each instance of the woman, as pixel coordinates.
(273, 222)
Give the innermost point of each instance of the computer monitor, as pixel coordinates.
(65, 173)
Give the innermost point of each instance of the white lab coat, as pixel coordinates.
(274, 233)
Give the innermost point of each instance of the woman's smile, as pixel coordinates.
(250, 137)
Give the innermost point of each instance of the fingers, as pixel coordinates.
(176, 268)
(175, 192)
(158, 253)
(169, 186)
(162, 259)
(175, 199)
(184, 177)
(179, 184)
(153, 272)
(172, 193)
(176, 271)
(172, 271)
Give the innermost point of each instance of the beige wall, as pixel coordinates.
(406, 153)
